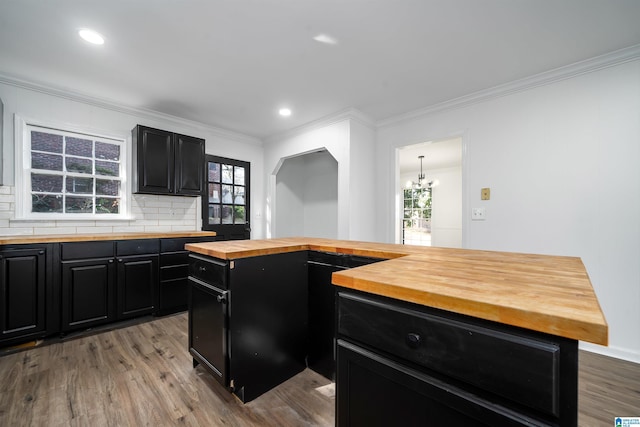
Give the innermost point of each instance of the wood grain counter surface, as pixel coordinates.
(57, 238)
(550, 294)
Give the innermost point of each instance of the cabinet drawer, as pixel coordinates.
(137, 247)
(174, 272)
(86, 250)
(174, 258)
(525, 370)
(173, 245)
(208, 270)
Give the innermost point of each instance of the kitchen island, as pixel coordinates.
(481, 337)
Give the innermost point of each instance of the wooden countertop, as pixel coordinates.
(56, 238)
(550, 294)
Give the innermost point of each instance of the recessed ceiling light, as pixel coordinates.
(91, 36)
(326, 39)
(285, 112)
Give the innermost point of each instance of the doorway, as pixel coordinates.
(430, 193)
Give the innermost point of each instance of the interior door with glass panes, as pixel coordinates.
(225, 202)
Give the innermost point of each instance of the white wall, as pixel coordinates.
(152, 213)
(562, 161)
(307, 196)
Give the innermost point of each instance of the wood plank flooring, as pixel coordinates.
(142, 375)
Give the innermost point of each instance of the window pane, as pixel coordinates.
(107, 151)
(46, 203)
(214, 214)
(79, 147)
(214, 193)
(226, 194)
(46, 183)
(227, 214)
(227, 174)
(77, 185)
(107, 168)
(75, 164)
(107, 205)
(41, 141)
(239, 215)
(107, 187)
(238, 195)
(52, 162)
(214, 172)
(78, 204)
(238, 175)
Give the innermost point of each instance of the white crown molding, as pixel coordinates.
(342, 115)
(118, 107)
(562, 73)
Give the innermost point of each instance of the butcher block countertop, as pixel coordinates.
(550, 294)
(57, 238)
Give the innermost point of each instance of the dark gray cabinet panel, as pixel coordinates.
(166, 162)
(23, 298)
(137, 283)
(88, 293)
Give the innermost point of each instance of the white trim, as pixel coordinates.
(118, 107)
(562, 73)
(616, 352)
(340, 116)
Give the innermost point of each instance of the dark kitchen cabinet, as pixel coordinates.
(27, 304)
(137, 279)
(173, 286)
(265, 328)
(322, 297)
(404, 364)
(167, 163)
(88, 284)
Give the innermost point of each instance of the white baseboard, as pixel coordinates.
(616, 352)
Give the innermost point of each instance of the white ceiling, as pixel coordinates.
(437, 155)
(232, 64)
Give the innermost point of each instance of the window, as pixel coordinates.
(68, 174)
(416, 222)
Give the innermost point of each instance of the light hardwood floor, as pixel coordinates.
(142, 375)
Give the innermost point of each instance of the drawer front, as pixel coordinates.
(86, 250)
(526, 370)
(174, 258)
(208, 270)
(137, 247)
(174, 272)
(173, 245)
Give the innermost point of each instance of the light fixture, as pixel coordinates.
(285, 112)
(326, 39)
(91, 36)
(421, 179)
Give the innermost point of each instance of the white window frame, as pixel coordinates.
(22, 127)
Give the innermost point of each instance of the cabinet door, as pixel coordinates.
(375, 391)
(208, 327)
(22, 292)
(137, 283)
(189, 153)
(88, 293)
(154, 150)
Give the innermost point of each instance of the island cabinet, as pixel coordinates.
(322, 295)
(167, 163)
(27, 293)
(400, 363)
(248, 319)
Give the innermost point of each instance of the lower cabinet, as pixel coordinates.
(26, 295)
(404, 364)
(88, 293)
(137, 282)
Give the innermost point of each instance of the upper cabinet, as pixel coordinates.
(167, 162)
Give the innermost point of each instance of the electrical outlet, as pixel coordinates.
(478, 214)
